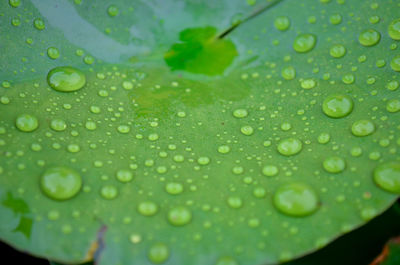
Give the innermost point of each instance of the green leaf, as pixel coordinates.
(275, 132)
(390, 254)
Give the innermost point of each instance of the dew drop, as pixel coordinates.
(174, 188)
(158, 253)
(53, 53)
(224, 149)
(387, 176)
(147, 208)
(60, 183)
(204, 160)
(270, 170)
(296, 199)
(179, 216)
(247, 130)
(235, 202)
(369, 37)
(334, 164)
(337, 51)
(393, 105)
(362, 128)
(304, 43)
(58, 125)
(124, 175)
(66, 79)
(395, 63)
(39, 24)
(289, 146)
(288, 73)
(26, 123)
(123, 129)
(324, 138)
(112, 11)
(282, 23)
(240, 113)
(14, 3)
(394, 29)
(337, 106)
(108, 192)
(308, 83)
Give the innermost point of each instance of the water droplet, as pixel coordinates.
(362, 128)
(368, 213)
(123, 129)
(288, 73)
(337, 106)
(147, 208)
(26, 123)
(203, 160)
(289, 146)
(58, 125)
(387, 176)
(53, 53)
(235, 202)
(259, 192)
(270, 170)
(335, 19)
(369, 37)
(394, 29)
(348, 79)
(112, 11)
(282, 23)
(14, 3)
(66, 79)
(334, 164)
(224, 149)
(296, 199)
(304, 43)
(240, 113)
(395, 63)
(179, 216)
(109, 192)
(226, 261)
(393, 105)
(247, 130)
(324, 138)
(337, 51)
(308, 83)
(39, 24)
(124, 175)
(73, 148)
(158, 253)
(60, 183)
(174, 188)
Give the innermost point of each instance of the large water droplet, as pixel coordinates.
(337, 106)
(296, 199)
(26, 123)
(304, 43)
(66, 79)
(290, 146)
(369, 37)
(60, 183)
(387, 176)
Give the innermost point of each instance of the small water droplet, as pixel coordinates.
(226, 261)
(158, 253)
(224, 149)
(124, 175)
(247, 130)
(174, 188)
(39, 24)
(337, 51)
(235, 202)
(270, 170)
(53, 53)
(109, 192)
(289, 146)
(282, 23)
(147, 208)
(334, 164)
(288, 73)
(240, 113)
(296, 199)
(58, 125)
(60, 183)
(66, 79)
(395, 63)
(204, 160)
(112, 11)
(179, 216)
(304, 43)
